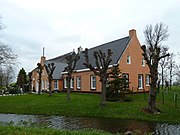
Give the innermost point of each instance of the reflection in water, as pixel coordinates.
(106, 124)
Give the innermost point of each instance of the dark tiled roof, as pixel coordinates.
(60, 58)
(58, 70)
(60, 63)
(117, 47)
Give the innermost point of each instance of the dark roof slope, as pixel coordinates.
(60, 63)
(58, 70)
(60, 58)
(117, 47)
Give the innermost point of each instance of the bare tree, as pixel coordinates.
(163, 63)
(6, 76)
(50, 69)
(151, 52)
(7, 58)
(177, 73)
(72, 58)
(102, 62)
(171, 68)
(39, 71)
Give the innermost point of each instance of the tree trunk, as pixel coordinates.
(152, 97)
(50, 87)
(170, 76)
(39, 91)
(170, 83)
(103, 93)
(30, 85)
(68, 89)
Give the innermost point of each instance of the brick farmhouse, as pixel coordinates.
(126, 52)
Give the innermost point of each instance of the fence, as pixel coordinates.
(171, 98)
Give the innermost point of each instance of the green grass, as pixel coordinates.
(87, 105)
(15, 130)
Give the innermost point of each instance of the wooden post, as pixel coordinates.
(176, 100)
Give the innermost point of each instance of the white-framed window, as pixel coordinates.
(93, 82)
(128, 59)
(78, 80)
(65, 82)
(140, 81)
(45, 85)
(72, 83)
(126, 77)
(143, 62)
(147, 80)
(55, 84)
(42, 84)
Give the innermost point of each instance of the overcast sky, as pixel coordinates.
(63, 25)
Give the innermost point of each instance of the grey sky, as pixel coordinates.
(63, 25)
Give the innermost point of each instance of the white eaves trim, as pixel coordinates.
(86, 69)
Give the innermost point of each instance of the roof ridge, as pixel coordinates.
(61, 56)
(109, 42)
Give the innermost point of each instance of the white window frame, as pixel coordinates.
(65, 83)
(78, 82)
(45, 85)
(55, 84)
(140, 81)
(93, 82)
(128, 59)
(147, 80)
(72, 83)
(42, 85)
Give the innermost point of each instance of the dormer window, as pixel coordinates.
(128, 59)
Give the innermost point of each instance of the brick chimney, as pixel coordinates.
(80, 49)
(43, 58)
(132, 32)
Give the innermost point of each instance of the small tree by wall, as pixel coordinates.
(22, 79)
(30, 81)
(102, 61)
(50, 69)
(118, 86)
(72, 58)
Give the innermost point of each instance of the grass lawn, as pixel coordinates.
(87, 105)
(14, 130)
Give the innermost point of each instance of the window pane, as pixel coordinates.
(72, 83)
(55, 84)
(65, 82)
(147, 80)
(93, 82)
(140, 81)
(128, 59)
(78, 82)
